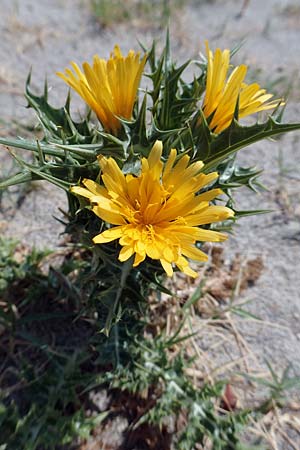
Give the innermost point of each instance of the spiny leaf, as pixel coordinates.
(57, 121)
(254, 212)
(137, 129)
(237, 137)
(232, 175)
(82, 153)
(19, 178)
(48, 149)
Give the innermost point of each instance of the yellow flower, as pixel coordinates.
(109, 87)
(222, 92)
(158, 213)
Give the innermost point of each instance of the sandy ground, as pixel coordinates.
(48, 34)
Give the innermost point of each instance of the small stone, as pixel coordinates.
(292, 231)
(297, 211)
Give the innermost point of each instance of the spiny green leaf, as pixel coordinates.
(19, 178)
(56, 122)
(254, 212)
(237, 137)
(24, 144)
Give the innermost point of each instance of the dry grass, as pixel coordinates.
(219, 347)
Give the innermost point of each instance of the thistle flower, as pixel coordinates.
(222, 92)
(158, 213)
(109, 87)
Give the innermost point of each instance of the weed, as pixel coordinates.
(55, 362)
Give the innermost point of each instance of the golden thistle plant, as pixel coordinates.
(149, 174)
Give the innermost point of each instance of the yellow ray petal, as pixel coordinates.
(167, 267)
(126, 253)
(108, 235)
(95, 188)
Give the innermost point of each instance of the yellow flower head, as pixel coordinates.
(109, 87)
(223, 92)
(157, 213)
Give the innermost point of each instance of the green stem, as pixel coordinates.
(125, 273)
(116, 337)
(127, 266)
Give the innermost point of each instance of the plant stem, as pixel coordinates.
(116, 338)
(127, 266)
